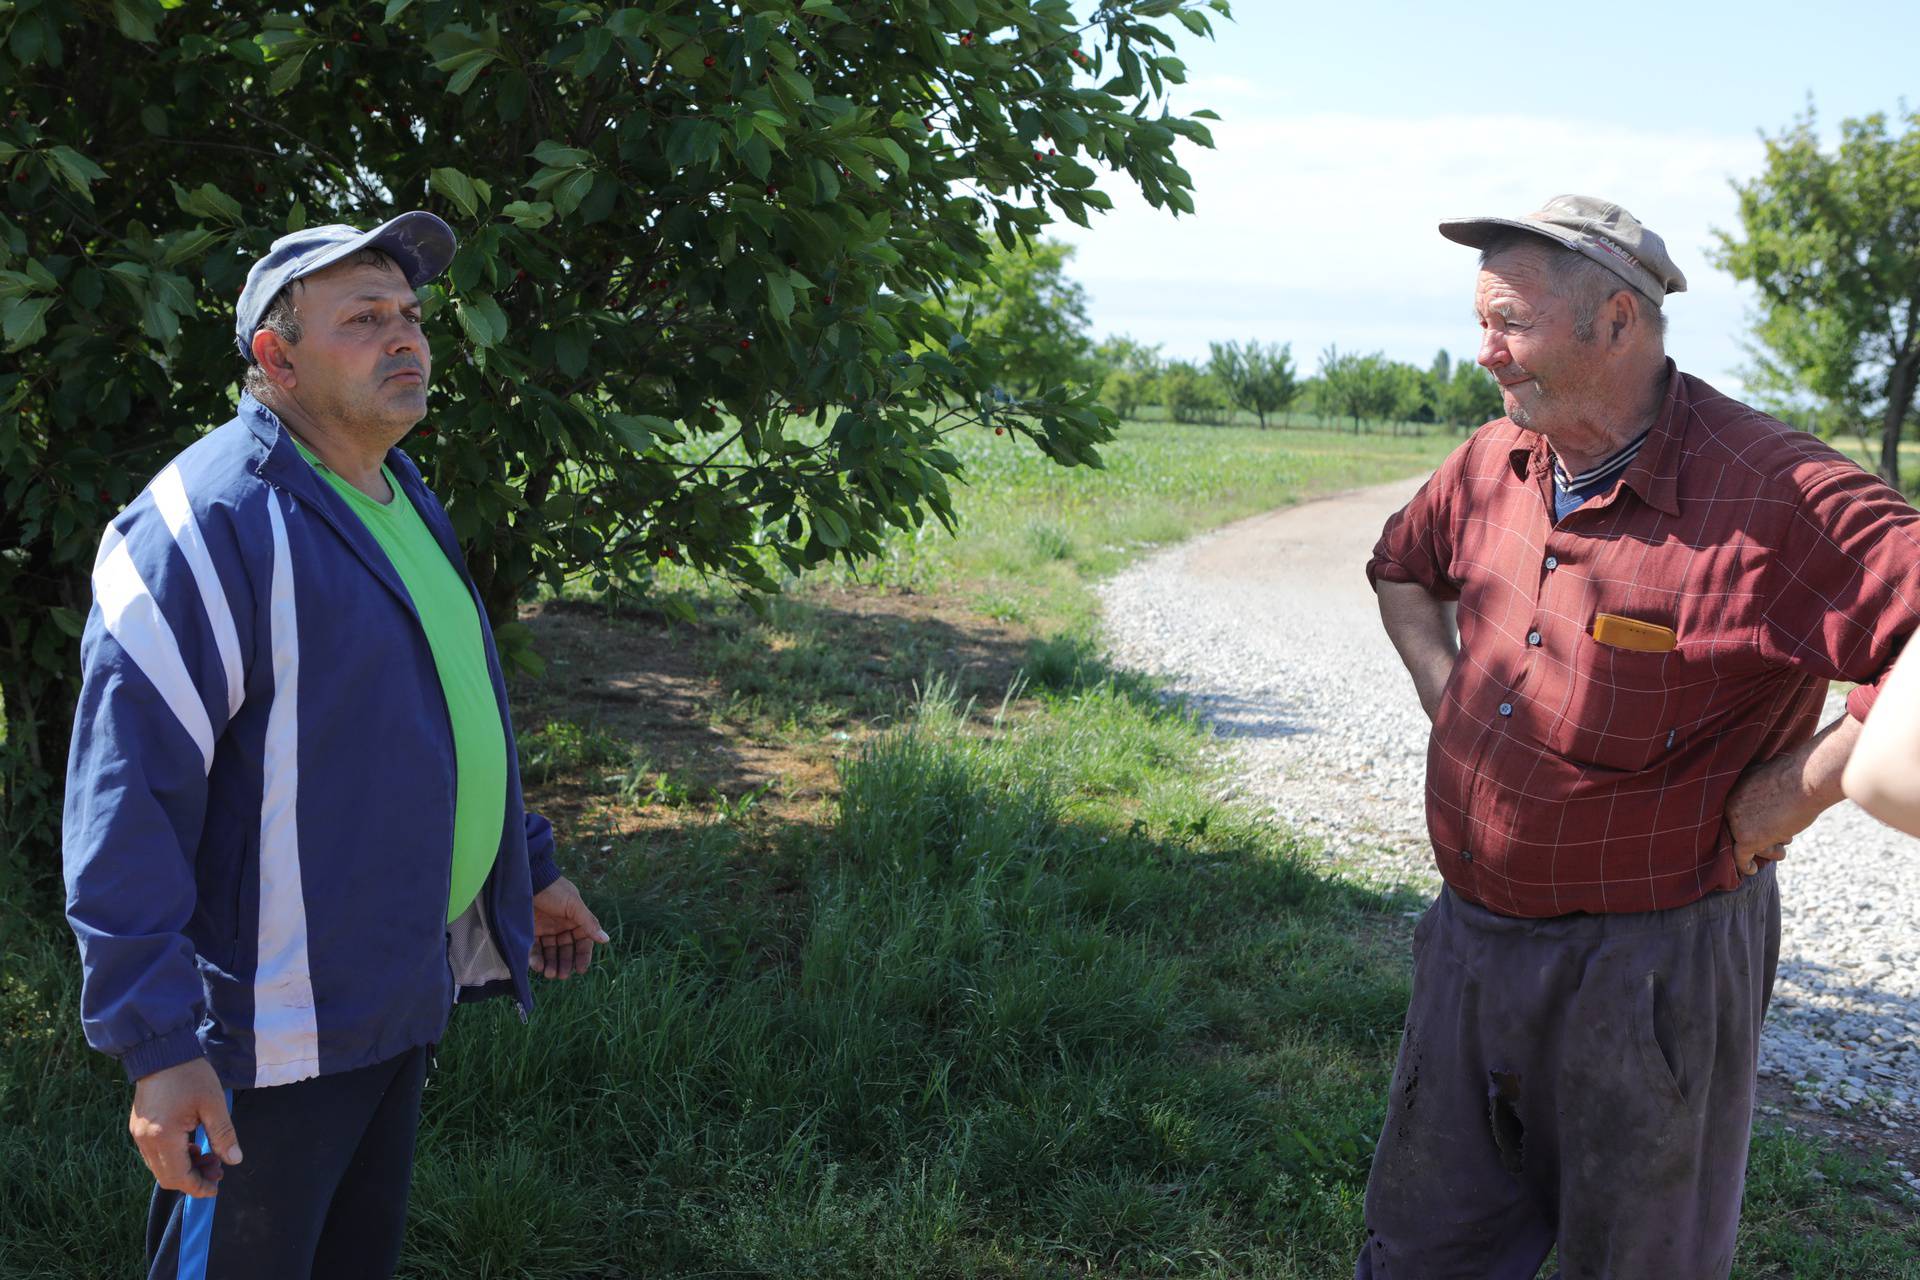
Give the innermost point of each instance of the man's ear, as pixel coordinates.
(1623, 312)
(274, 355)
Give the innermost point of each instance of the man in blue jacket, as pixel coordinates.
(294, 836)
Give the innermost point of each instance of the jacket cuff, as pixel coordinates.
(1861, 700)
(165, 1051)
(541, 868)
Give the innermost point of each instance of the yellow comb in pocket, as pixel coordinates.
(1631, 633)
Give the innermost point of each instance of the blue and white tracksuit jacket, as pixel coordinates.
(259, 811)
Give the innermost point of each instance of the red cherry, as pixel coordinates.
(746, 344)
(326, 64)
(520, 275)
(668, 553)
(356, 37)
(772, 190)
(828, 299)
(707, 61)
(1052, 152)
(799, 408)
(1036, 155)
(999, 431)
(105, 496)
(259, 188)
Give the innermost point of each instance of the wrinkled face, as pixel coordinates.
(1548, 375)
(362, 361)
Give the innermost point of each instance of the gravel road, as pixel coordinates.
(1269, 629)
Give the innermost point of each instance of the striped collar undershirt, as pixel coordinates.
(1601, 474)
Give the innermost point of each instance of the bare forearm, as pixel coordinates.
(1883, 774)
(1806, 782)
(1423, 635)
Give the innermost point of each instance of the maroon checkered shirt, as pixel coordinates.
(1567, 775)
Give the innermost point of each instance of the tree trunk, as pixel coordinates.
(1900, 388)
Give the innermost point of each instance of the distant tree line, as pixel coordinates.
(1035, 318)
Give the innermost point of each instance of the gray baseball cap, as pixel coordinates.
(419, 241)
(1598, 229)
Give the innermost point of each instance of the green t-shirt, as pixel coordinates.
(452, 625)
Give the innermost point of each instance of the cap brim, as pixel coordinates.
(420, 242)
(1478, 233)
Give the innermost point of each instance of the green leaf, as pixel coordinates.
(465, 67)
(780, 296)
(571, 190)
(795, 83)
(829, 527)
(286, 73)
(159, 320)
(570, 351)
(78, 171)
(208, 201)
(532, 216)
(481, 320)
(887, 149)
(629, 24)
(637, 430)
(68, 620)
(457, 187)
(25, 322)
(825, 9)
(189, 244)
(394, 9)
(135, 18)
(556, 156)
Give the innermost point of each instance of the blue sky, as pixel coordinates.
(1349, 130)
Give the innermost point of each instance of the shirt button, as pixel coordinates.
(1466, 855)
(1506, 708)
(1533, 637)
(1553, 562)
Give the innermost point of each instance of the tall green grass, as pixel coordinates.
(996, 1044)
(1049, 1011)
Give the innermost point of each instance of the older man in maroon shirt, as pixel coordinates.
(1655, 585)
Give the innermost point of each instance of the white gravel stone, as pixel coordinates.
(1268, 628)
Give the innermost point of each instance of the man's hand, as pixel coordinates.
(1777, 799)
(167, 1107)
(1763, 815)
(564, 931)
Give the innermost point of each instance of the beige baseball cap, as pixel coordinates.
(1601, 230)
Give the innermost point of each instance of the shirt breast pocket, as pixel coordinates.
(1630, 709)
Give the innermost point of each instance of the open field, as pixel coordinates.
(936, 954)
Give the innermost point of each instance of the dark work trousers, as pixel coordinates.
(1584, 1080)
(321, 1192)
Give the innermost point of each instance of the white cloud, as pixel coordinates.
(1321, 228)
